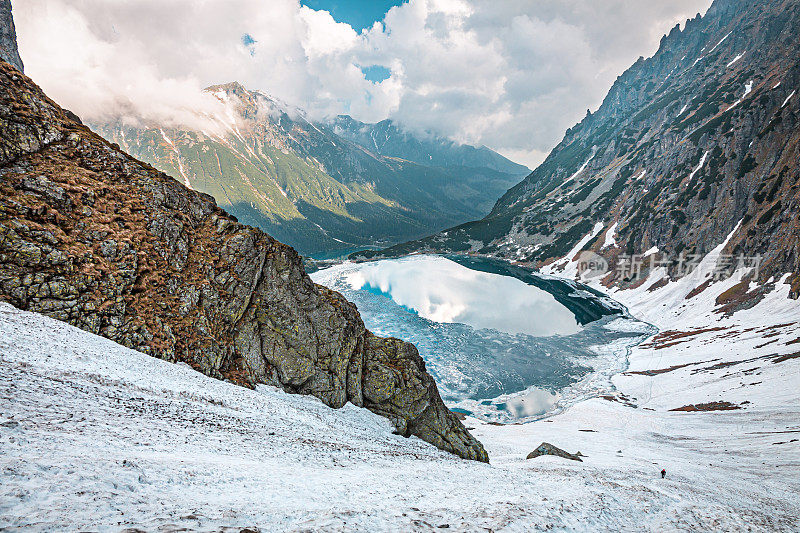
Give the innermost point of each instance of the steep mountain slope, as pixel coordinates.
(94, 237)
(310, 187)
(698, 140)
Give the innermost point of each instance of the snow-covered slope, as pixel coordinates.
(97, 436)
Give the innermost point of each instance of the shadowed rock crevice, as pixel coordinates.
(93, 237)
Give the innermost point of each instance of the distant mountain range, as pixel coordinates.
(322, 187)
(387, 139)
(696, 143)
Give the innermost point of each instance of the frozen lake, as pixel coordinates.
(498, 348)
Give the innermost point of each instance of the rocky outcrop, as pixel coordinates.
(687, 145)
(91, 236)
(8, 36)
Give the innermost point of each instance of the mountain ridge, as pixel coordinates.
(689, 143)
(388, 139)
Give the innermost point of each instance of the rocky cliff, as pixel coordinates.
(688, 145)
(8, 36)
(309, 186)
(96, 238)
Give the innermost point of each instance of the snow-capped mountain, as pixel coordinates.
(699, 139)
(312, 186)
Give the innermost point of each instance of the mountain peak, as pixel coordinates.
(233, 87)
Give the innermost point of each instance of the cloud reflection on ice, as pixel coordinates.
(444, 291)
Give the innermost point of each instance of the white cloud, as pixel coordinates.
(510, 74)
(325, 36)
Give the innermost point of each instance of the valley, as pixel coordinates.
(324, 188)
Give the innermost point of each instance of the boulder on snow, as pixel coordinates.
(546, 448)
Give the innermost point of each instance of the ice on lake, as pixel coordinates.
(497, 347)
(443, 291)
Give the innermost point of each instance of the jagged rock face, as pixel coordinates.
(686, 144)
(8, 36)
(310, 187)
(93, 237)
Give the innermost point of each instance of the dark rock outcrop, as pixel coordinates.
(546, 448)
(8, 36)
(91, 236)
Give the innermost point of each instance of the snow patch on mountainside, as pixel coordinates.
(581, 169)
(610, 238)
(735, 59)
(748, 88)
(699, 165)
(720, 42)
(566, 267)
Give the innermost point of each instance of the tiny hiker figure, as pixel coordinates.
(663, 473)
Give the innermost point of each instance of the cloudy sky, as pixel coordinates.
(509, 74)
